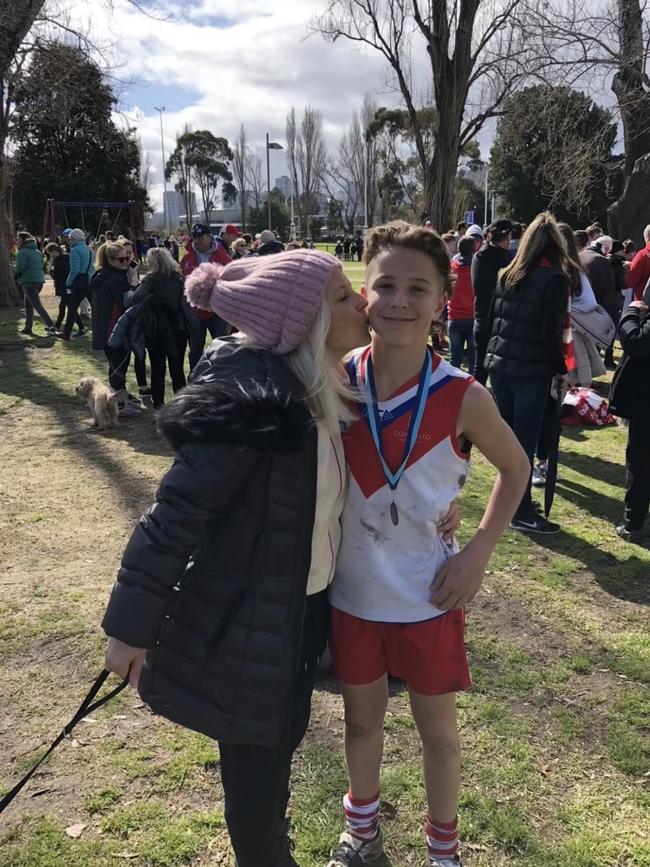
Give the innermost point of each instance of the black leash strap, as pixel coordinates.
(87, 706)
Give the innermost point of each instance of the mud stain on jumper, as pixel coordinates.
(377, 536)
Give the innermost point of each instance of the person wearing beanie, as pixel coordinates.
(220, 612)
(595, 261)
(269, 244)
(78, 280)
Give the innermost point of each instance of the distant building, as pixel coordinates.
(175, 209)
(283, 184)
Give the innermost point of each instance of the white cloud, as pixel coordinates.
(250, 71)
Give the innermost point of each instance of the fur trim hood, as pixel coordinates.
(239, 395)
(250, 415)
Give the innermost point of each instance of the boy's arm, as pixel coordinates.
(460, 579)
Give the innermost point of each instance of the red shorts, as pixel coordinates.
(428, 656)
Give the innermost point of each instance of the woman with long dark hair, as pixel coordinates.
(529, 343)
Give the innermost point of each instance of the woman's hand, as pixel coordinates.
(448, 525)
(640, 305)
(124, 660)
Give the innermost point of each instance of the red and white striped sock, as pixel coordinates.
(362, 816)
(442, 841)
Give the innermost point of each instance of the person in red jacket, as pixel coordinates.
(203, 247)
(460, 308)
(639, 273)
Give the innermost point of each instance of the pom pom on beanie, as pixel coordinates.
(274, 300)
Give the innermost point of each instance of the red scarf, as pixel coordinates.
(567, 332)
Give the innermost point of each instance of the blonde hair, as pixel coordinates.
(327, 392)
(542, 240)
(100, 256)
(161, 261)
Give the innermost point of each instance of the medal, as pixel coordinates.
(414, 426)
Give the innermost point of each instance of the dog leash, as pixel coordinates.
(87, 706)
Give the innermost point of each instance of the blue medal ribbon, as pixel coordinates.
(374, 421)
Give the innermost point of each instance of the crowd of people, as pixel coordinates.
(320, 448)
(499, 334)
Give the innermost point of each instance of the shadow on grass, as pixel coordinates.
(19, 379)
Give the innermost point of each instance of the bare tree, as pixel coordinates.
(254, 179)
(239, 170)
(307, 156)
(582, 42)
(477, 55)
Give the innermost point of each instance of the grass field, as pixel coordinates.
(556, 731)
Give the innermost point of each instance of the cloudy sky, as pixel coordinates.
(222, 64)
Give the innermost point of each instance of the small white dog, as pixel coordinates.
(101, 400)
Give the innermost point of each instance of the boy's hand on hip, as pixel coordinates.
(124, 660)
(458, 581)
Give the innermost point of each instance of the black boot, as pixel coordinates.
(285, 858)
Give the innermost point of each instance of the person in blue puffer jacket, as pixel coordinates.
(78, 282)
(30, 276)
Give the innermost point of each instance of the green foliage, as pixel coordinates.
(257, 218)
(553, 149)
(207, 158)
(68, 146)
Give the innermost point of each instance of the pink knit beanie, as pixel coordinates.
(274, 299)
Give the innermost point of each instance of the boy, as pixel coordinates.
(460, 307)
(399, 591)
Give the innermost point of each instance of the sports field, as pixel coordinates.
(555, 731)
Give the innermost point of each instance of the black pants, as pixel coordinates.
(118, 364)
(140, 370)
(160, 360)
(548, 423)
(217, 327)
(256, 779)
(522, 402)
(74, 300)
(63, 309)
(637, 466)
(481, 341)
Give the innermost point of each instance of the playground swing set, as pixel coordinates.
(50, 224)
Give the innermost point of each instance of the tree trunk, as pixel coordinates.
(628, 216)
(17, 19)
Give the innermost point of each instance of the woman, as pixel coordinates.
(592, 326)
(528, 318)
(245, 530)
(30, 276)
(238, 249)
(59, 270)
(109, 287)
(78, 280)
(160, 320)
(630, 399)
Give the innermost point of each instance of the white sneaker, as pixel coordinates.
(539, 475)
(353, 852)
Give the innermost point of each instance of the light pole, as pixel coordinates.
(162, 150)
(270, 146)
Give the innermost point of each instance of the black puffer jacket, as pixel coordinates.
(630, 393)
(486, 265)
(527, 322)
(213, 579)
